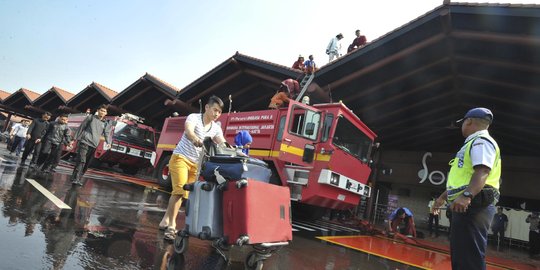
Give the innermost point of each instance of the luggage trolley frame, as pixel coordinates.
(261, 251)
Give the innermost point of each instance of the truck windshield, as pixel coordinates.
(134, 135)
(352, 140)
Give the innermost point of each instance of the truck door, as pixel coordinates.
(300, 134)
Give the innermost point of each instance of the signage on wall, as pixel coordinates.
(435, 177)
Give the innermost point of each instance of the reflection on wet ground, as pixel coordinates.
(113, 224)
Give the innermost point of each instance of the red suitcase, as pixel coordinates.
(255, 212)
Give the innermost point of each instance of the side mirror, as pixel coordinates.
(310, 129)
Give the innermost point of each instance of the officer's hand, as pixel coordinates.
(461, 204)
(28, 137)
(436, 207)
(38, 141)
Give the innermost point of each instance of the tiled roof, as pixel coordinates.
(109, 92)
(30, 94)
(65, 95)
(4, 94)
(266, 62)
(162, 82)
(493, 4)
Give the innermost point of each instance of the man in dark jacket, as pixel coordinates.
(34, 136)
(57, 134)
(88, 136)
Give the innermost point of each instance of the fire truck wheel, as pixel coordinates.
(162, 172)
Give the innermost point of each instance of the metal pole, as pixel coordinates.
(376, 206)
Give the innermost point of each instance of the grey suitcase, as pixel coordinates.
(204, 210)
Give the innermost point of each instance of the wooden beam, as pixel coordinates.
(385, 61)
(214, 87)
(92, 94)
(394, 80)
(498, 63)
(403, 109)
(263, 76)
(136, 95)
(502, 100)
(236, 94)
(257, 100)
(405, 93)
(502, 84)
(424, 115)
(532, 41)
(148, 104)
(415, 136)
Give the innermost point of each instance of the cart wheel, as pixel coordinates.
(180, 244)
(252, 262)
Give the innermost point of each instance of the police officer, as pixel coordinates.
(472, 190)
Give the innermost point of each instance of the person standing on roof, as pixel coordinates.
(34, 136)
(288, 89)
(299, 64)
(334, 47)
(243, 139)
(358, 42)
(310, 65)
(472, 189)
(92, 128)
(183, 163)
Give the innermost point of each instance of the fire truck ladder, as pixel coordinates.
(306, 81)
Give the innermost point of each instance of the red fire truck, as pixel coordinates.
(132, 144)
(322, 152)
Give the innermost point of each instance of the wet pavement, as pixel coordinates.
(112, 223)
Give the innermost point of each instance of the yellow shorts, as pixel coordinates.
(182, 171)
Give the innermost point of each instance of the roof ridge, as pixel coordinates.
(163, 82)
(66, 95)
(487, 4)
(31, 94)
(4, 94)
(265, 61)
(108, 91)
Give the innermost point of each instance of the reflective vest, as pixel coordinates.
(462, 170)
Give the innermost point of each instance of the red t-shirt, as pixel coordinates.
(357, 43)
(298, 65)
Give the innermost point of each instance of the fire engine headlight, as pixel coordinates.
(334, 179)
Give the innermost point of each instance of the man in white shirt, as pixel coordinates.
(183, 163)
(18, 137)
(334, 47)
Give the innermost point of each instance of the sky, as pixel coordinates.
(70, 44)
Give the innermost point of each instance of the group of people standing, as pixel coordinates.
(309, 66)
(46, 141)
(43, 139)
(333, 50)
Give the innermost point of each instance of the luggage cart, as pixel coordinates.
(237, 201)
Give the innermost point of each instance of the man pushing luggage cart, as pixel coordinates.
(235, 205)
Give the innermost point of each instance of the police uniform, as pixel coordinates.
(468, 236)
